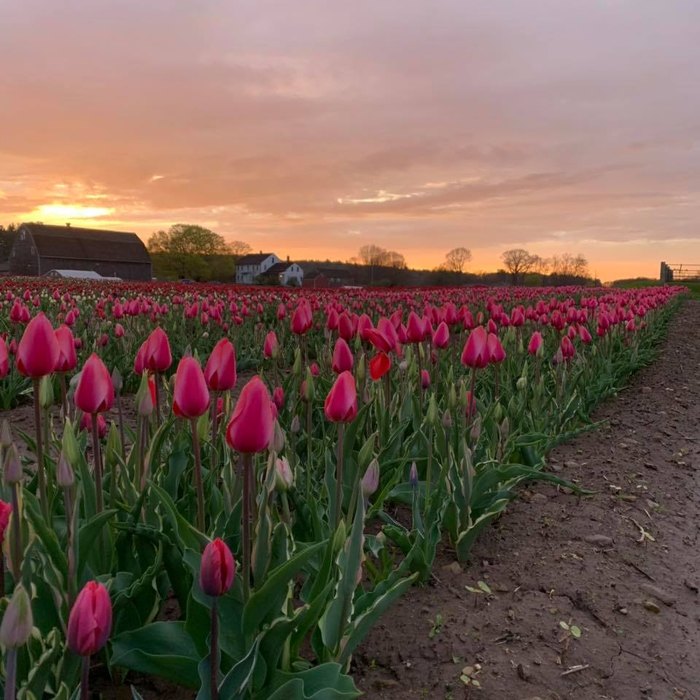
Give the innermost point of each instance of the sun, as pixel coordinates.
(71, 211)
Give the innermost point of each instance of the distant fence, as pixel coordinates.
(682, 272)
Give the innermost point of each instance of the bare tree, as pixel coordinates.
(569, 266)
(239, 248)
(394, 259)
(518, 262)
(457, 258)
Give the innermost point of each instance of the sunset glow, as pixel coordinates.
(311, 129)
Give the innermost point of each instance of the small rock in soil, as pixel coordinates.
(600, 540)
(453, 568)
(651, 606)
(659, 593)
(539, 498)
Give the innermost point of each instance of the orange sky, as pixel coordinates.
(312, 128)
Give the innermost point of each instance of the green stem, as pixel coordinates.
(16, 544)
(70, 546)
(214, 652)
(198, 475)
(11, 674)
(247, 494)
(98, 463)
(41, 474)
(85, 679)
(339, 476)
(308, 451)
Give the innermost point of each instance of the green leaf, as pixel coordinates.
(161, 649)
(187, 535)
(272, 593)
(575, 631)
(235, 684)
(88, 535)
(323, 682)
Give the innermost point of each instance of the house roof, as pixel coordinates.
(278, 268)
(253, 258)
(79, 274)
(74, 243)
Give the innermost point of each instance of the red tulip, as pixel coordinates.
(252, 423)
(535, 344)
(4, 358)
(95, 390)
(217, 569)
(5, 512)
(341, 403)
(37, 352)
(278, 397)
(567, 348)
(157, 355)
(271, 346)
(119, 330)
(190, 395)
(379, 340)
(220, 370)
(345, 327)
(67, 359)
(425, 379)
(86, 424)
(495, 350)
(379, 365)
(441, 337)
(342, 357)
(90, 620)
(475, 353)
(585, 335)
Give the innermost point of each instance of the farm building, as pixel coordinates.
(39, 248)
(267, 268)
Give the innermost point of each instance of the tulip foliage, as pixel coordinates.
(226, 487)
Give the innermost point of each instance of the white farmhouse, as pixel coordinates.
(249, 267)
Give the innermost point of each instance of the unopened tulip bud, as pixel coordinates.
(447, 419)
(113, 447)
(295, 425)
(46, 392)
(361, 369)
(403, 365)
(5, 434)
(452, 397)
(278, 438)
(64, 472)
(505, 428)
(309, 387)
(413, 475)
(117, 380)
(498, 412)
(475, 430)
(432, 413)
(144, 398)
(217, 569)
(90, 620)
(370, 481)
(12, 468)
(17, 622)
(296, 367)
(69, 444)
(283, 474)
(521, 383)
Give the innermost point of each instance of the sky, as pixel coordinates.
(310, 128)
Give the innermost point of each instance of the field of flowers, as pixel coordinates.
(242, 540)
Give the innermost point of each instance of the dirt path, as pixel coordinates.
(555, 559)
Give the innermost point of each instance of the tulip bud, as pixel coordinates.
(296, 367)
(452, 397)
(432, 412)
(309, 388)
(46, 392)
(521, 383)
(17, 622)
(113, 447)
(475, 431)
(283, 474)
(69, 444)
(447, 419)
(278, 438)
(12, 468)
(295, 425)
(217, 569)
(498, 412)
(64, 472)
(370, 481)
(117, 381)
(413, 475)
(90, 620)
(361, 370)
(5, 434)
(504, 428)
(144, 399)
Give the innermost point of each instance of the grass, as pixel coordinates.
(694, 286)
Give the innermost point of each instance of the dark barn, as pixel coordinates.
(39, 248)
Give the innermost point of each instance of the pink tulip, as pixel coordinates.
(475, 353)
(535, 345)
(5, 512)
(4, 358)
(220, 370)
(425, 379)
(343, 359)
(341, 403)
(217, 569)
(278, 397)
(495, 350)
(37, 352)
(441, 337)
(67, 359)
(190, 395)
(252, 423)
(86, 424)
(90, 620)
(271, 346)
(95, 390)
(157, 355)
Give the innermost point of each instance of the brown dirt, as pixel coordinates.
(553, 557)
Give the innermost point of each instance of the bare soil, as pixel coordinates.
(621, 565)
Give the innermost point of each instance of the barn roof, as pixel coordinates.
(74, 243)
(80, 275)
(278, 268)
(253, 258)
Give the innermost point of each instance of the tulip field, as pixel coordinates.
(226, 487)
